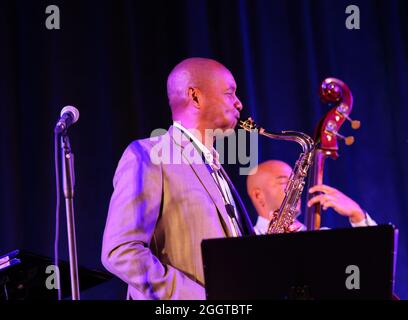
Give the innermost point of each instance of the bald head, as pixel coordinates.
(266, 185)
(202, 96)
(265, 171)
(190, 73)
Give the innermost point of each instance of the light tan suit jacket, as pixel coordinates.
(158, 216)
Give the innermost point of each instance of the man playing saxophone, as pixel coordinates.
(266, 188)
(161, 210)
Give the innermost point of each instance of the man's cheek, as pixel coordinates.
(281, 195)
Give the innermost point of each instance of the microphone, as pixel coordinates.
(69, 115)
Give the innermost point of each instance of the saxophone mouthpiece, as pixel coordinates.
(248, 125)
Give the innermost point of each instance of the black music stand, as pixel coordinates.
(23, 277)
(309, 265)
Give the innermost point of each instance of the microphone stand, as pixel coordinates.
(68, 185)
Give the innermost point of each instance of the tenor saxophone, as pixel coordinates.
(286, 214)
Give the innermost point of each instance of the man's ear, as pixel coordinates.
(259, 196)
(194, 95)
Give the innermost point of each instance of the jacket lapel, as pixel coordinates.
(246, 221)
(203, 175)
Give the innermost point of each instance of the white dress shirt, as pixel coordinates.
(212, 159)
(262, 224)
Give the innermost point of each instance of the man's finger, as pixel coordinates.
(322, 188)
(315, 200)
(322, 198)
(328, 204)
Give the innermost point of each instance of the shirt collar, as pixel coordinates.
(262, 225)
(211, 157)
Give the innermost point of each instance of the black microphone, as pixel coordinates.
(69, 115)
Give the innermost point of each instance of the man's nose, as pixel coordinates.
(238, 105)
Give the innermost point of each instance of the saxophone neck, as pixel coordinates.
(305, 141)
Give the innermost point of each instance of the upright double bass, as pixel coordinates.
(338, 96)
